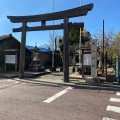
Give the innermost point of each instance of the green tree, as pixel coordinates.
(118, 37)
(74, 35)
(116, 48)
(60, 45)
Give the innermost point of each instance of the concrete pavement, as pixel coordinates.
(76, 80)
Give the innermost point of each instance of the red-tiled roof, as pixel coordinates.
(5, 36)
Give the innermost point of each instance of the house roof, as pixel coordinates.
(5, 36)
(40, 49)
(30, 48)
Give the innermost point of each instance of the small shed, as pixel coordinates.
(9, 42)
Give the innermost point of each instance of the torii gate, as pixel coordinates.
(65, 15)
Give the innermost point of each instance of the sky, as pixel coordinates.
(107, 10)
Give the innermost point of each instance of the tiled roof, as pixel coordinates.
(5, 36)
(28, 47)
(40, 49)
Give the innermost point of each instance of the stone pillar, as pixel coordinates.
(22, 51)
(82, 64)
(94, 58)
(66, 51)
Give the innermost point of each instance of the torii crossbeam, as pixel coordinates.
(65, 15)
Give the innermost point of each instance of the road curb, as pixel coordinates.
(92, 87)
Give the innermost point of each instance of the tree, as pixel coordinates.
(109, 38)
(116, 49)
(86, 36)
(111, 44)
(50, 44)
(118, 37)
(116, 45)
(74, 35)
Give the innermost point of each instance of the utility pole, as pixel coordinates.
(80, 42)
(53, 67)
(103, 51)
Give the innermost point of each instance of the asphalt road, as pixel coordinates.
(4, 83)
(27, 101)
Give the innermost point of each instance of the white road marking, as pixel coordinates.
(114, 100)
(113, 109)
(106, 118)
(118, 93)
(57, 95)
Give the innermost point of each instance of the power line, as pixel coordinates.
(8, 25)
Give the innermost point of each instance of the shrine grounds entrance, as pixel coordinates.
(43, 18)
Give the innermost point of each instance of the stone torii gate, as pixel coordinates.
(66, 25)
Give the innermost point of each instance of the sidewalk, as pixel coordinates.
(75, 80)
(56, 78)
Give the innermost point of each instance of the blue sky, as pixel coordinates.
(103, 9)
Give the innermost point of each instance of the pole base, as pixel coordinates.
(53, 69)
(61, 69)
(79, 70)
(21, 76)
(73, 69)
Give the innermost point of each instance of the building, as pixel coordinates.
(9, 43)
(8, 46)
(45, 56)
(42, 56)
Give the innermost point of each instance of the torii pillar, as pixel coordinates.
(66, 51)
(22, 51)
(65, 15)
